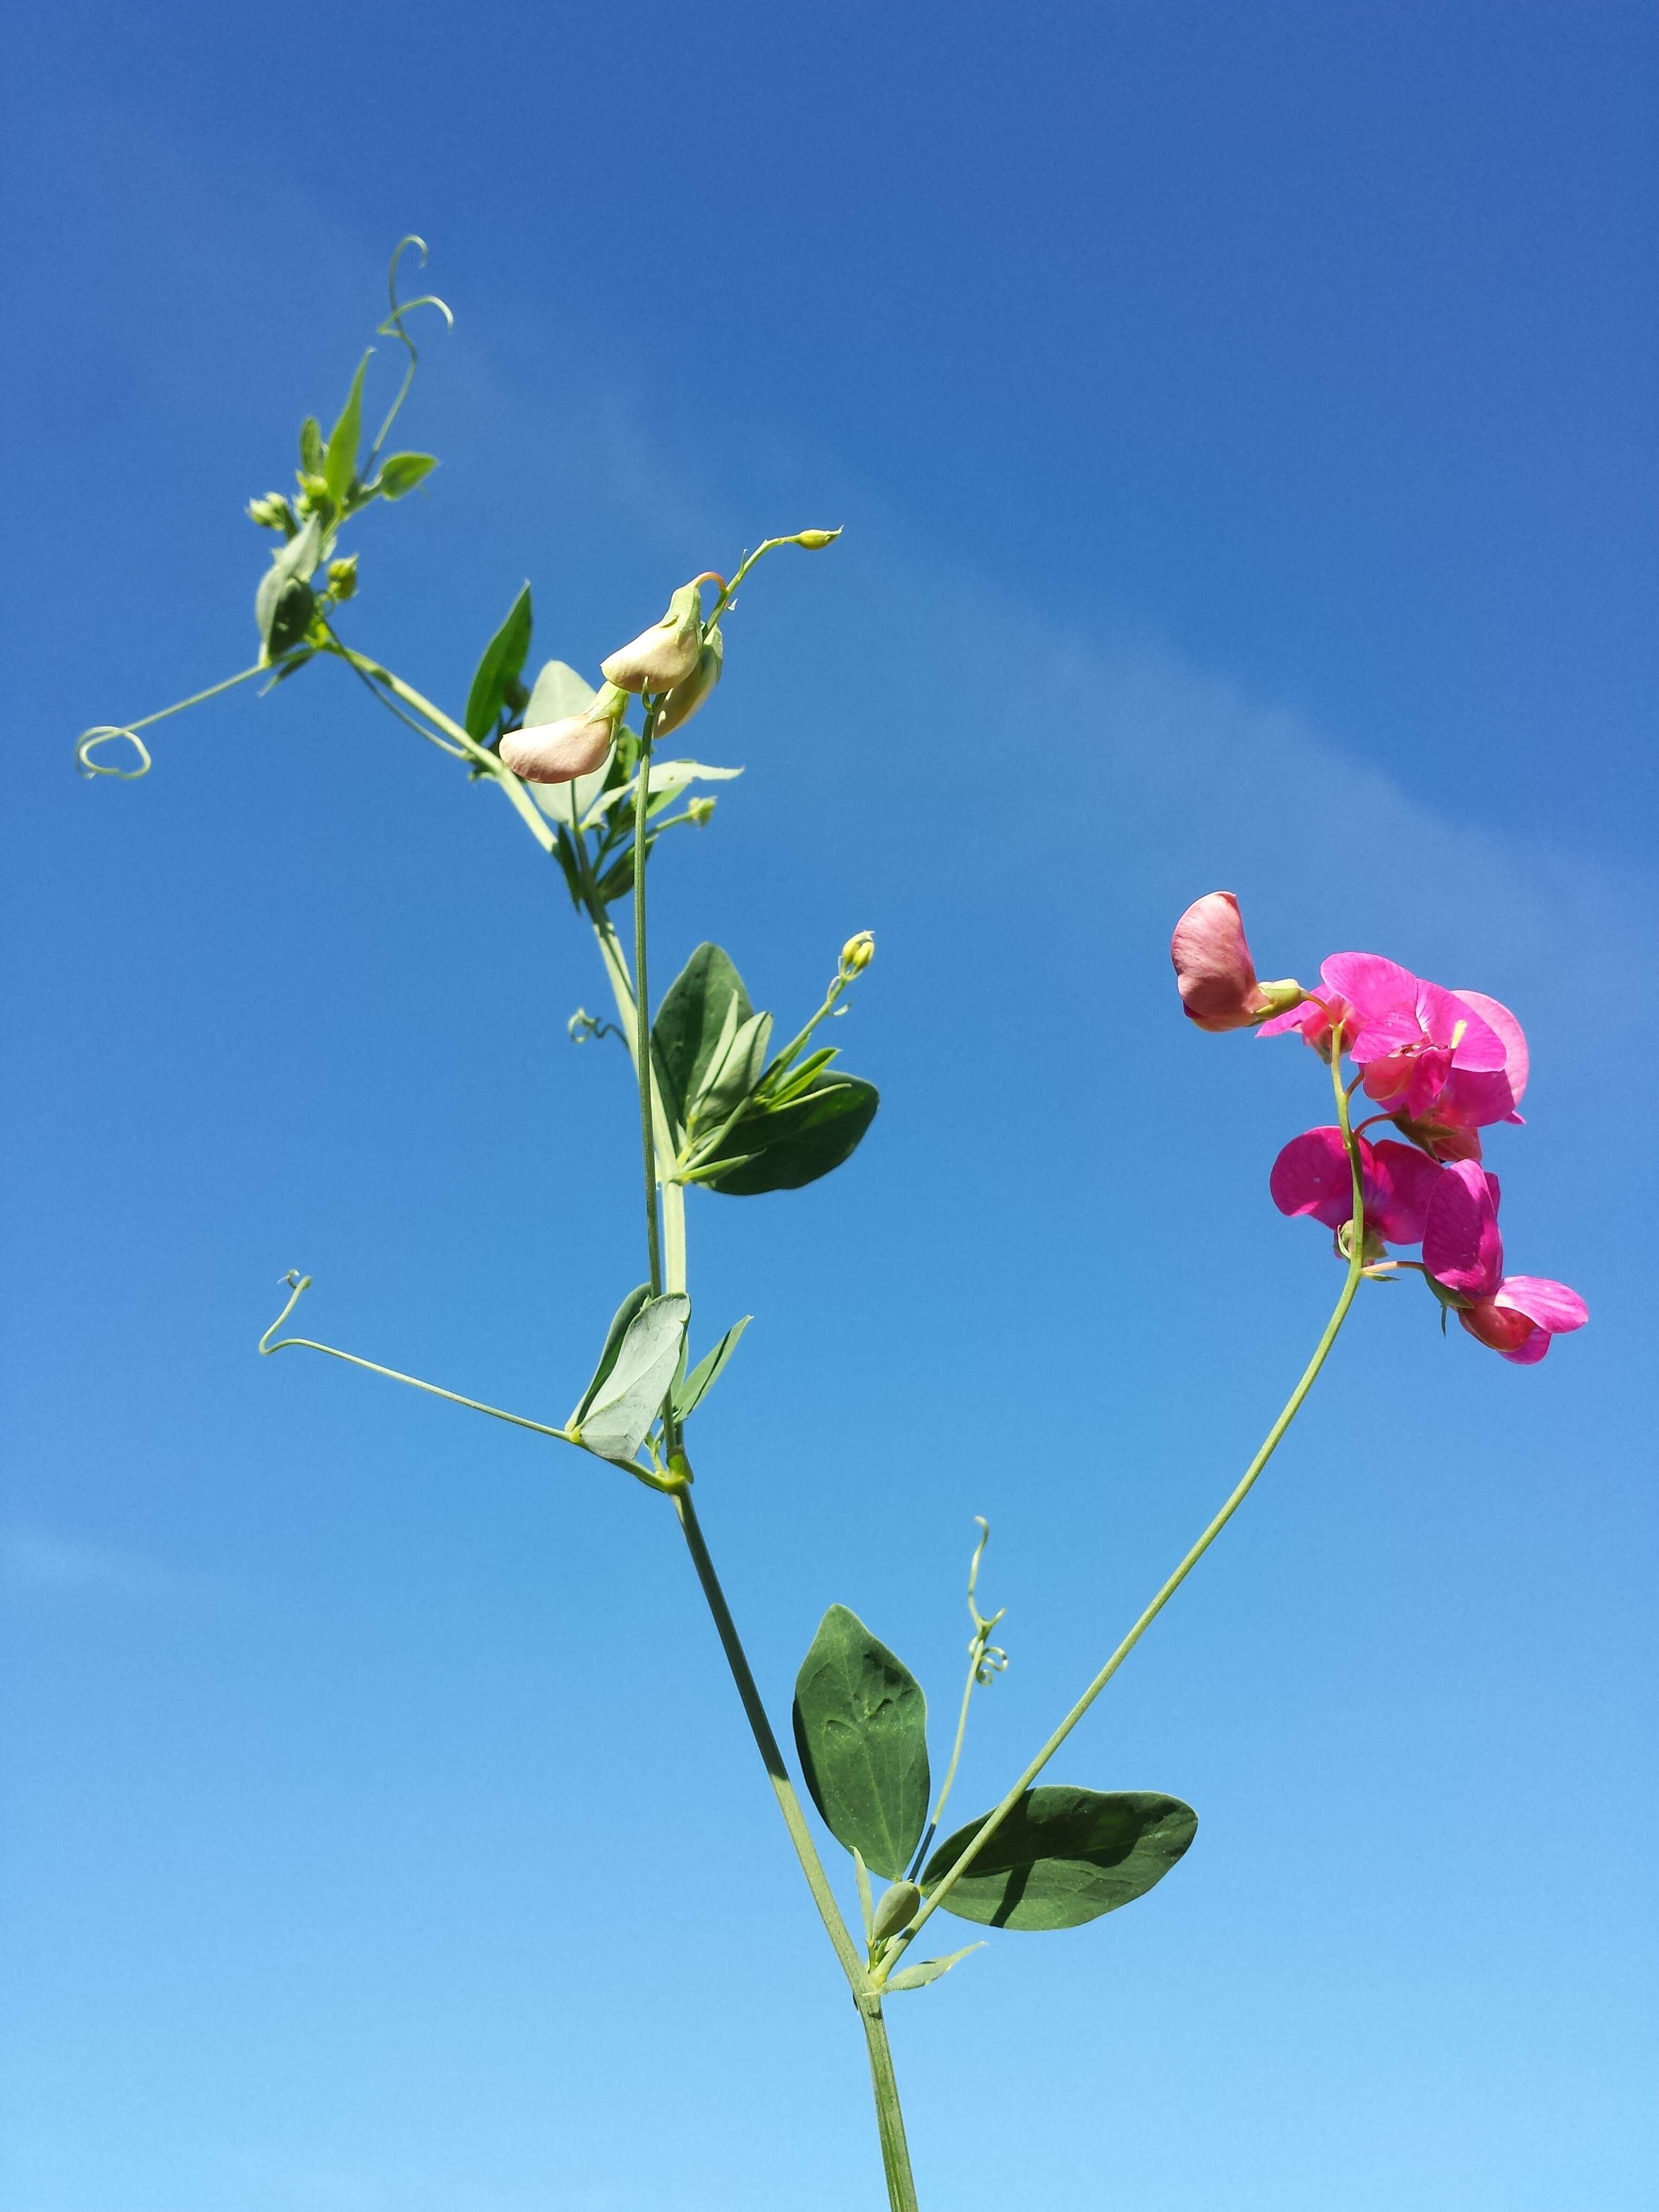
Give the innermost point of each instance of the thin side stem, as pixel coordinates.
(771, 1757)
(1292, 1407)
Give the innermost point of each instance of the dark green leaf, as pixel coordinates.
(1064, 1857)
(781, 1147)
(310, 446)
(629, 1399)
(280, 612)
(401, 472)
(613, 1337)
(504, 658)
(861, 1730)
(340, 461)
(690, 1392)
(290, 618)
(692, 1019)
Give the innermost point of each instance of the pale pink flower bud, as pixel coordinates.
(1214, 972)
(667, 654)
(683, 700)
(558, 752)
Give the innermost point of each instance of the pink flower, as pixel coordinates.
(1214, 972)
(1412, 1040)
(1470, 1099)
(558, 752)
(1463, 1252)
(1311, 1176)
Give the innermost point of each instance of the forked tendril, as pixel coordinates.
(393, 327)
(299, 1285)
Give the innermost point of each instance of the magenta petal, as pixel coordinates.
(1529, 1351)
(1443, 1014)
(1474, 1101)
(1406, 1181)
(1297, 1018)
(1392, 1030)
(1311, 1176)
(1551, 1305)
(1498, 1018)
(1462, 1247)
(1370, 984)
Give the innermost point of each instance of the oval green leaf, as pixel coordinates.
(703, 1008)
(1064, 1857)
(613, 1337)
(861, 1730)
(399, 473)
(340, 461)
(783, 1147)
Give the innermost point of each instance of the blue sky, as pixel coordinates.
(1243, 424)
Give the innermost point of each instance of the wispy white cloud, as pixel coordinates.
(32, 1560)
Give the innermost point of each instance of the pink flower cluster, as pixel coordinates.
(1441, 1066)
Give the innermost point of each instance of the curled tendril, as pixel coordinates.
(297, 1286)
(104, 733)
(582, 1025)
(393, 327)
(988, 1658)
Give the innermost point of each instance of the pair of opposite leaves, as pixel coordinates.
(1062, 1856)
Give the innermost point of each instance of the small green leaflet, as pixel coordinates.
(629, 1399)
(702, 1007)
(1064, 1857)
(310, 446)
(782, 1148)
(400, 472)
(861, 1730)
(690, 1392)
(613, 1337)
(502, 663)
(340, 461)
(929, 1970)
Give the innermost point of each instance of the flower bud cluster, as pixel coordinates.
(1441, 1066)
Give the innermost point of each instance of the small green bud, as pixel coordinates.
(272, 512)
(814, 541)
(343, 577)
(313, 493)
(896, 1910)
(701, 810)
(857, 953)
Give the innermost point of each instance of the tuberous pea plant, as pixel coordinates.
(723, 1107)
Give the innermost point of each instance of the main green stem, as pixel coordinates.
(890, 2117)
(1292, 1407)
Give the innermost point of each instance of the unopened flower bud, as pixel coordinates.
(814, 541)
(858, 952)
(701, 810)
(272, 512)
(343, 577)
(896, 1910)
(558, 752)
(667, 654)
(313, 492)
(1215, 974)
(683, 700)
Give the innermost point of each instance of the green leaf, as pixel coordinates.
(782, 1148)
(1064, 1857)
(692, 1021)
(504, 659)
(400, 473)
(668, 778)
(691, 1393)
(283, 613)
(560, 691)
(613, 1337)
(929, 1970)
(861, 1730)
(629, 1399)
(310, 446)
(340, 461)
